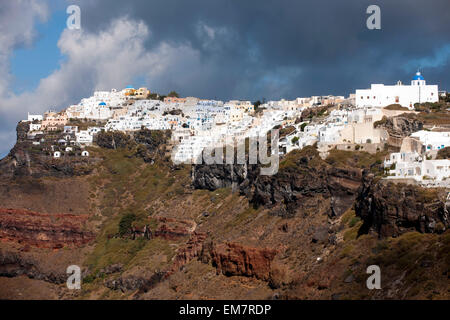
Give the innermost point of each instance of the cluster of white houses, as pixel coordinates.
(199, 123)
(414, 161)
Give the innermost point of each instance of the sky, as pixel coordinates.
(219, 49)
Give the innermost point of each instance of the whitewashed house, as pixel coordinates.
(84, 137)
(411, 165)
(70, 129)
(433, 140)
(34, 117)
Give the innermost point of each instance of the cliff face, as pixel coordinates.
(301, 189)
(149, 144)
(302, 182)
(219, 244)
(43, 230)
(26, 159)
(233, 259)
(212, 177)
(393, 209)
(399, 127)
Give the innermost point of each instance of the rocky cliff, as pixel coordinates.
(148, 144)
(43, 230)
(399, 127)
(212, 177)
(393, 209)
(302, 183)
(222, 232)
(36, 160)
(14, 264)
(233, 259)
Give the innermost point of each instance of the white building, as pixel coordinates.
(84, 137)
(433, 140)
(411, 165)
(380, 95)
(70, 129)
(34, 117)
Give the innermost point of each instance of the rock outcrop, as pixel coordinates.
(27, 159)
(14, 264)
(135, 282)
(148, 143)
(303, 188)
(302, 183)
(212, 177)
(189, 252)
(399, 127)
(43, 230)
(232, 259)
(172, 229)
(402, 125)
(393, 209)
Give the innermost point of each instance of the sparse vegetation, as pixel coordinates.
(396, 107)
(359, 159)
(126, 223)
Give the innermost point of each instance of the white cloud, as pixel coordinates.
(17, 20)
(110, 59)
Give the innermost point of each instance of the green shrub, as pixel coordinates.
(126, 223)
(302, 126)
(354, 221)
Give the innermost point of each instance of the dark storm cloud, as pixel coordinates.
(292, 48)
(245, 49)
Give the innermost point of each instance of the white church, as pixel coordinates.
(380, 95)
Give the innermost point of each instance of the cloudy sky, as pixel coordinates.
(240, 49)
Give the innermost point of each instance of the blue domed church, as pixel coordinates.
(380, 95)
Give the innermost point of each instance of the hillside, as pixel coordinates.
(142, 228)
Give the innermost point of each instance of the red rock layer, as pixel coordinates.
(190, 251)
(236, 260)
(43, 230)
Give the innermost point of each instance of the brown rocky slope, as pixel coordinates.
(308, 232)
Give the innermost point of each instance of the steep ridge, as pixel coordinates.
(26, 159)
